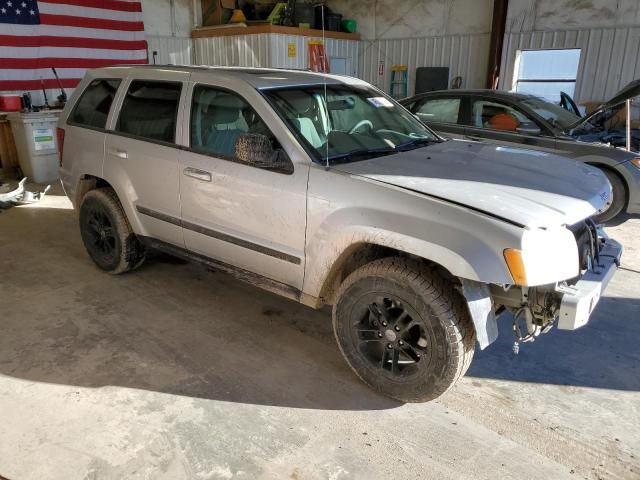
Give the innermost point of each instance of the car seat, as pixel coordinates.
(226, 124)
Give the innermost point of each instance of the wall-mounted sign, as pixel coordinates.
(291, 50)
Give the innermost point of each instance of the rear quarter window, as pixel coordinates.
(94, 104)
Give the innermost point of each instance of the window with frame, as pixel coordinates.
(546, 73)
(223, 125)
(440, 110)
(150, 110)
(497, 116)
(92, 110)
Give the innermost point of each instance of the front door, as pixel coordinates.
(249, 215)
(141, 154)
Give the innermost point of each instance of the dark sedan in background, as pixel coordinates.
(531, 122)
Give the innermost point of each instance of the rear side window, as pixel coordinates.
(150, 110)
(442, 110)
(93, 107)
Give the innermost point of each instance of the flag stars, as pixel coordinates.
(3, 10)
(24, 5)
(32, 12)
(9, 4)
(17, 11)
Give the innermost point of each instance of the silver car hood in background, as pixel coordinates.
(527, 187)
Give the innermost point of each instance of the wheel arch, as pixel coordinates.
(612, 170)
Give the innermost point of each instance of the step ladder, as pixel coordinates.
(317, 59)
(399, 81)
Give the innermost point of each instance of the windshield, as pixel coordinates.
(350, 123)
(554, 114)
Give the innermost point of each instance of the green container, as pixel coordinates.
(349, 26)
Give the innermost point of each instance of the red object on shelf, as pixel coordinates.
(10, 103)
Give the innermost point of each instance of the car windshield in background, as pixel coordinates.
(554, 114)
(348, 123)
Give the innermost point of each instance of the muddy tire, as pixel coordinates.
(107, 234)
(619, 198)
(403, 329)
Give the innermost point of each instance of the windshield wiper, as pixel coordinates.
(358, 154)
(416, 142)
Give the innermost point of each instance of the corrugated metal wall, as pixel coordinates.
(171, 50)
(608, 61)
(269, 50)
(465, 55)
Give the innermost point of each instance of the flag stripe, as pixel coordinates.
(71, 21)
(107, 4)
(46, 73)
(42, 62)
(85, 11)
(71, 32)
(71, 42)
(7, 85)
(35, 52)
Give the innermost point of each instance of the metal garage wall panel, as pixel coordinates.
(465, 55)
(171, 50)
(609, 58)
(269, 50)
(242, 51)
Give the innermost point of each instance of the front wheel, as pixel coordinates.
(403, 329)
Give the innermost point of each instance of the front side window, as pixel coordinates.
(498, 116)
(93, 107)
(441, 110)
(224, 125)
(150, 110)
(347, 123)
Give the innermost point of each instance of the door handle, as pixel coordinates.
(197, 174)
(118, 153)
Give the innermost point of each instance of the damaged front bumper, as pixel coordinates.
(580, 299)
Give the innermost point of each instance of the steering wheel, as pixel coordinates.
(359, 125)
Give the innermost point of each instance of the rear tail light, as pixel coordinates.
(60, 133)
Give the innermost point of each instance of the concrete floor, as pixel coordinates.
(172, 372)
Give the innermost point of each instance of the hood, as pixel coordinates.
(526, 187)
(631, 90)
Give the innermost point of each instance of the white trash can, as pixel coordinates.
(37, 144)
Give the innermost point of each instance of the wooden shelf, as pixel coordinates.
(227, 31)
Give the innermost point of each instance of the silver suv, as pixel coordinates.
(326, 191)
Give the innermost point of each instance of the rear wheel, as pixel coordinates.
(619, 198)
(403, 329)
(107, 234)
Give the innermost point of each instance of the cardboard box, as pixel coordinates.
(217, 12)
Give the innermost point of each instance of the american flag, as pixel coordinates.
(70, 35)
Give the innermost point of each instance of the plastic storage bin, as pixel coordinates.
(36, 143)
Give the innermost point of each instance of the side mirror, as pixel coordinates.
(256, 150)
(528, 129)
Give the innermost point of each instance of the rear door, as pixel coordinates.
(502, 123)
(248, 215)
(141, 153)
(444, 114)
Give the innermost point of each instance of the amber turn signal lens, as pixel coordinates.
(513, 257)
(636, 162)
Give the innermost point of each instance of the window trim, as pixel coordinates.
(113, 102)
(147, 139)
(190, 148)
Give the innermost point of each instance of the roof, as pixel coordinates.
(499, 94)
(259, 78)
